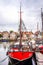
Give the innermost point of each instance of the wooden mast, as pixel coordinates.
(42, 23)
(20, 27)
(42, 18)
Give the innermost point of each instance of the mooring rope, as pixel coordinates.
(3, 60)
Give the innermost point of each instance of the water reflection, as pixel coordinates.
(3, 49)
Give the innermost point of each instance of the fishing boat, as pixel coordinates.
(20, 54)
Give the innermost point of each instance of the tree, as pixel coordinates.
(1, 35)
(11, 31)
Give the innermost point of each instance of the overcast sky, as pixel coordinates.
(9, 14)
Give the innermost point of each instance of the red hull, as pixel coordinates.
(20, 55)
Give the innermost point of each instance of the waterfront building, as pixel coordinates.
(5, 34)
(12, 36)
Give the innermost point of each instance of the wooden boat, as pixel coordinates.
(20, 54)
(23, 56)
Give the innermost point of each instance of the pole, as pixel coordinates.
(20, 27)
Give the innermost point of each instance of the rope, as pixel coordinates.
(40, 61)
(3, 60)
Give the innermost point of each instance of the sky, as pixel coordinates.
(31, 14)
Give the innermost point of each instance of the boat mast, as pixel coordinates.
(37, 27)
(20, 27)
(42, 22)
(42, 18)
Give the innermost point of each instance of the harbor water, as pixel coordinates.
(3, 56)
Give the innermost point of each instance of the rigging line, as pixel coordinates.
(3, 60)
(25, 29)
(24, 26)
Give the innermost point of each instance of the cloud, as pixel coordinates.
(9, 13)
